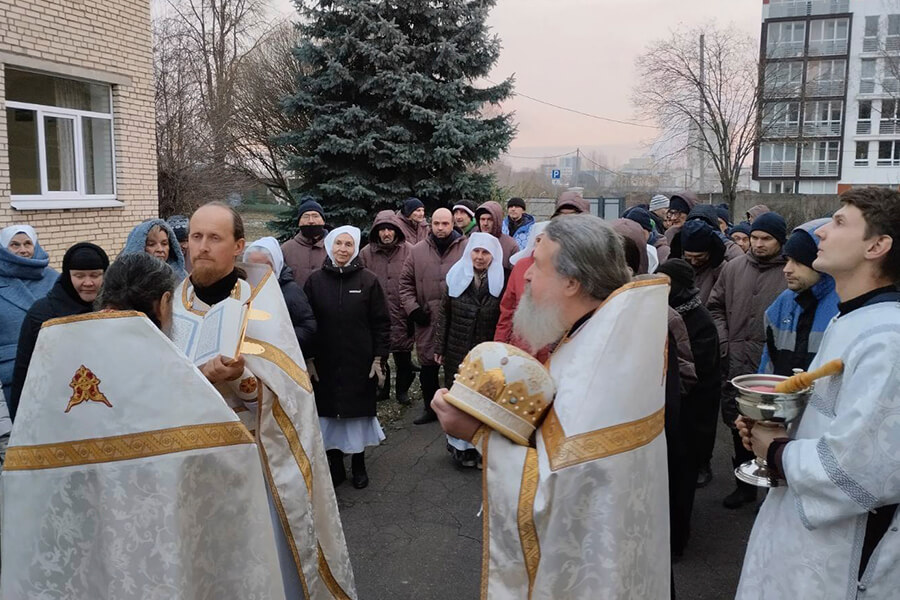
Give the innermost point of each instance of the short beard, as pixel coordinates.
(204, 275)
(538, 326)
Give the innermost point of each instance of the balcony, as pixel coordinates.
(822, 128)
(829, 7)
(784, 49)
(867, 86)
(781, 130)
(825, 88)
(827, 47)
(870, 44)
(803, 8)
(892, 44)
(778, 169)
(889, 127)
(890, 85)
(818, 169)
(863, 127)
(782, 90)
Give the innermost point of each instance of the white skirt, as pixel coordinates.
(350, 436)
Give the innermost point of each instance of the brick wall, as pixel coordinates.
(107, 37)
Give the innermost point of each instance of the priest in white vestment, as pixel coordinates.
(582, 512)
(126, 475)
(268, 387)
(832, 532)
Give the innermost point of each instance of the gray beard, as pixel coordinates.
(537, 325)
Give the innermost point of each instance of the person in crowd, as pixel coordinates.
(412, 220)
(490, 220)
(704, 249)
(708, 214)
(180, 225)
(73, 294)
(464, 216)
(352, 344)
(266, 251)
(740, 235)
(578, 293)
(746, 287)
(680, 206)
(831, 532)
(156, 238)
(468, 316)
(700, 410)
(659, 208)
(797, 319)
(756, 211)
(656, 240)
(517, 223)
(515, 288)
(570, 203)
(271, 394)
(385, 255)
(723, 215)
(305, 252)
(24, 277)
(422, 284)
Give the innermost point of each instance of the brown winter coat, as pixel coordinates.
(507, 243)
(412, 231)
(387, 264)
(303, 257)
(705, 279)
(687, 372)
(745, 289)
(662, 248)
(422, 285)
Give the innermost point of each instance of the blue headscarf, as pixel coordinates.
(137, 240)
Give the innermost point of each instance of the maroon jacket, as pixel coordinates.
(507, 243)
(387, 264)
(412, 231)
(422, 285)
(303, 257)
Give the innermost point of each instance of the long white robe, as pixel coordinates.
(843, 462)
(274, 399)
(585, 513)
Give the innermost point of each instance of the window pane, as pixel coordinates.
(884, 150)
(36, 88)
(887, 109)
(59, 138)
(98, 158)
(868, 68)
(893, 24)
(24, 167)
(865, 109)
(862, 150)
(872, 26)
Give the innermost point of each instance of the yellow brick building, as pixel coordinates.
(77, 142)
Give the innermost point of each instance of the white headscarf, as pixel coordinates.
(528, 250)
(461, 274)
(334, 233)
(8, 233)
(270, 246)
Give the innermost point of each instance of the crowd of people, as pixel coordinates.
(745, 297)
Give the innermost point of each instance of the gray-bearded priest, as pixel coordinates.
(582, 512)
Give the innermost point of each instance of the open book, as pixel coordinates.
(220, 331)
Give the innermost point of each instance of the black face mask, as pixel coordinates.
(312, 232)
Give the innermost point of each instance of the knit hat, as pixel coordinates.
(516, 202)
(466, 206)
(410, 205)
(679, 204)
(83, 256)
(771, 223)
(179, 225)
(639, 216)
(697, 236)
(801, 247)
(679, 271)
(308, 204)
(659, 201)
(742, 227)
(724, 214)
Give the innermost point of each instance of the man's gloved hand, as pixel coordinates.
(311, 369)
(420, 317)
(377, 371)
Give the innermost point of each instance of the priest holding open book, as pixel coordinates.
(233, 322)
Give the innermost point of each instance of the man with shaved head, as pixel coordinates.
(422, 285)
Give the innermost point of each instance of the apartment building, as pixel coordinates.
(831, 96)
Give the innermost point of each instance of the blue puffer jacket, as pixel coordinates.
(137, 239)
(22, 281)
(521, 234)
(796, 322)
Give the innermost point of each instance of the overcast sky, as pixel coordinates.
(580, 54)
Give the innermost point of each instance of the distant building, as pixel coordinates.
(77, 140)
(831, 96)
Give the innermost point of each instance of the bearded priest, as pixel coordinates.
(582, 511)
(269, 389)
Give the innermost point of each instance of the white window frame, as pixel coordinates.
(47, 200)
(817, 39)
(778, 120)
(861, 162)
(777, 43)
(894, 161)
(782, 77)
(814, 126)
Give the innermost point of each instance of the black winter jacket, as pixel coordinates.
(353, 327)
(302, 317)
(465, 322)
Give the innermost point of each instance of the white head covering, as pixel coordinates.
(334, 233)
(8, 233)
(461, 274)
(270, 246)
(528, 250)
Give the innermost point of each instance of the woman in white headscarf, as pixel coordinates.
(468, 315)
(347, 358)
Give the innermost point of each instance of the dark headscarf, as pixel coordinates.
(83, 256)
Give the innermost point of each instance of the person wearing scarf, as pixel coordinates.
(346, 363)
(73, 294)
(468, 315)
(156, 238)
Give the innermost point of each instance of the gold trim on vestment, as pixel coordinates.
(485, 521)
(93, 316)
(126, 447)
(528, 536)
(476, 437)
(328, 577)
(284, 362)
(293, 440)
(565, 451)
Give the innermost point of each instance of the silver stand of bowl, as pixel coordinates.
(767, 409)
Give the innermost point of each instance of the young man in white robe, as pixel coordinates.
(582, 512)
(271, 392)
(832, 532)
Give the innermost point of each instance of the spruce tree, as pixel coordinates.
(388, 89)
